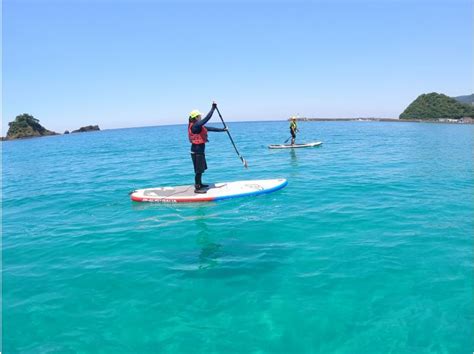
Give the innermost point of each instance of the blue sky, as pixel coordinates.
(137, 63)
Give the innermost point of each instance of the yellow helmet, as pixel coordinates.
(194, 114)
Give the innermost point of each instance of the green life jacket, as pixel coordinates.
(293, 126)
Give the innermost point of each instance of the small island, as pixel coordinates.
(88, 128)
(26, 126)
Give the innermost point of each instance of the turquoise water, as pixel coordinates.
(367, 250)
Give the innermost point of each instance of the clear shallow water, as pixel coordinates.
(367, 250)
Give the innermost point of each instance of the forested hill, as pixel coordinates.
(435, 105)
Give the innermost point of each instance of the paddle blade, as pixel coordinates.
(246, 165)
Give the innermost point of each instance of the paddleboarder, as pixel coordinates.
(197, 133)
(293, 129)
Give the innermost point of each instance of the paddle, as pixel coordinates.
(232, 140)
(287, 140)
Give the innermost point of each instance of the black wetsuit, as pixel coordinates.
(198, 150)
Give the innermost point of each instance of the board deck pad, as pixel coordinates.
(294, 146)
(216, 191)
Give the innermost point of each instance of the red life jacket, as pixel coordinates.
(200, 138)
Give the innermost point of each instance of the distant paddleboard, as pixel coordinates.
(294, 146)
(217, 191)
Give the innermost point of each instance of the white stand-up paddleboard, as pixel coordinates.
(294, 146)
(217, 191)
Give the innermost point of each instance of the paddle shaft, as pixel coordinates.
(231, 140)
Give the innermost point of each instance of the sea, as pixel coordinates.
(368, 249)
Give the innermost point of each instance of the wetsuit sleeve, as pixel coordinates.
(214, 129)
(196, 129)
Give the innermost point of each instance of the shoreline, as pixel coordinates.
(390, 120)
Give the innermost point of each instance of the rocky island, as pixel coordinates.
(26, 126)
(88, 128)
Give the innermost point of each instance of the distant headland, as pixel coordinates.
(438, 106)
(426, 108)
(26, 126)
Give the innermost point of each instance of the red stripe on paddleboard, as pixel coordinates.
(191, 200)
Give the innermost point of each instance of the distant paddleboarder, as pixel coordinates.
(197, 133)
(293, 130)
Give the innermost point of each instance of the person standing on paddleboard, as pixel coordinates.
(293, 130)
(197, 133)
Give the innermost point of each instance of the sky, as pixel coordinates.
(131, 63)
